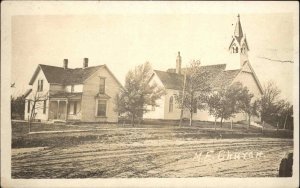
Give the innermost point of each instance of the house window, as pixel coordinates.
(171, 104)
(72, 88)
(28, 106)
(102, 86)
(40, 85)
(101, 108)
(72, 107)
(236, 50)
(44, 107)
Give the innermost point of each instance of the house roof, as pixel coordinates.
(217, 74)
(59, 75)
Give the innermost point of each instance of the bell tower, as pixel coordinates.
(239, 46)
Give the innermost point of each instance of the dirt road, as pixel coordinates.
(152, 153)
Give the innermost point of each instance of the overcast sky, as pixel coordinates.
(122, 41)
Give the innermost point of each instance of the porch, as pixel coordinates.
(65, 106)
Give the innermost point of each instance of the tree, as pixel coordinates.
(269, 102)
(36, 102)
(17, 106)
(275, 110)
(137, 94)
(195, 89)
(222, 103)
(247, 104)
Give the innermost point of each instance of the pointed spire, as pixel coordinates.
(238, 32)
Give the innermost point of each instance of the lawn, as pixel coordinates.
(108, 150)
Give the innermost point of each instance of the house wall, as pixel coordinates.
(54, 88)
(91, 89)
(42, 95)
(77, 88)
(175, 114)
(158, 112)
(246, 77)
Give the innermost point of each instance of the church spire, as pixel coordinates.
(238, 32)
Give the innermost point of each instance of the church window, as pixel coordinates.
(236, 50)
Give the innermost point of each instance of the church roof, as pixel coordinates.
(170, 80)
(217, 74)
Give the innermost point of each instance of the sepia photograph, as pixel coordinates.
(149, 94)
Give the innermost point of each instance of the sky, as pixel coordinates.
(124, 40)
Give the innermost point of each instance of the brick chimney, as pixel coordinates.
(65, 65)
(85, 62)
(178, 64)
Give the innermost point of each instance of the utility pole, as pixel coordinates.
(183, 95)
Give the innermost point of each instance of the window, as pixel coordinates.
(44, 107)
(72, 107)
(236, 50)
(28, 106)
(102, 86)
(101, 108)
(171, 104)
(40, 85)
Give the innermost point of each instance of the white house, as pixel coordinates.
(83, 94)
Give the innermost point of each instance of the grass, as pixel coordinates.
(92, 133)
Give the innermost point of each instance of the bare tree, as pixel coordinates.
(35, 103)
(269, 101)
(195, 89)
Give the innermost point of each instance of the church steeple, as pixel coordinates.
(239, 46)
(238, 32)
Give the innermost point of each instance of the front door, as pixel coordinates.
(58, 110)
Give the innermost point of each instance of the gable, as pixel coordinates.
(248, 78)
(98, 73)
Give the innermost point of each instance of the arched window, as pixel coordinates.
(236, 50)
(171, 104)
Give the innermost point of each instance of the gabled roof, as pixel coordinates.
(217, 74)
(225, 78)
(170, 80)
(59, 75)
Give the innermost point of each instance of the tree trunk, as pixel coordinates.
(215, 123)
(285, 121)
(249, 121)
(132, 120)
(181, 115)
(221, 121)
(191, 118)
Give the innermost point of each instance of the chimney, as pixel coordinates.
(178, 64)
(65, 65)
(85, 62)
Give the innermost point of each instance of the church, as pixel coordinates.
(237, 69)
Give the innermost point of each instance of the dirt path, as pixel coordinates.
(256, 157)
